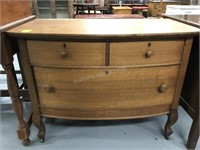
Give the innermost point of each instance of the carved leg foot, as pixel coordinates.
(41, 135)
(23, 134)
(37, 120)
(23, 131)
(26, 142)
(172, 118)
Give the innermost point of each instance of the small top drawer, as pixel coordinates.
(58, 53)
(146, 52)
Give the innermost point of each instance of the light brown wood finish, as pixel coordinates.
(23, 130)
(12, 14)
(121, 10)
(111, 29)
(173, 116)
(190, 93)
(110, 114)
(146, 52)
(67, 53)
(103, 88)
(185, 59)
(36, 117)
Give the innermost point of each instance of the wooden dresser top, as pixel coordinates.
(102, 28)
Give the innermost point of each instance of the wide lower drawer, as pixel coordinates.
(66, 53)
(146, 52)
(105, 89)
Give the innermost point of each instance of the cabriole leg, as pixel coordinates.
(37, 120)
(172, 118)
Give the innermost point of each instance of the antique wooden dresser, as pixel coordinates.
(103, 69)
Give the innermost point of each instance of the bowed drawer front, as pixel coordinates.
(95, 78)
(100, 89)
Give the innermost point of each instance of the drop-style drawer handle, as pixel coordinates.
(149, 54)
(162, 88)
(48, 88)
(63, 54)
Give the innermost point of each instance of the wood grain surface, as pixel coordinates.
(102, 28)
(146, 52)
(95, 89)
(67, 53)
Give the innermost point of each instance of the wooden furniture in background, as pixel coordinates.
(52, 8)
(109, 16)
(154, 7)
(110, 6)
(190, 93)
(121, 10)
(80, 7)
(140, 9)
(76, 71)
(12, 14)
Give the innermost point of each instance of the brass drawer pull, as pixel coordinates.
(48, 89)
(149, 54)
(64, 54)
(163, 88)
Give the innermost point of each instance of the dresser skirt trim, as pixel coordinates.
(111, 114)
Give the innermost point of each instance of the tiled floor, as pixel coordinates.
(139, 134)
